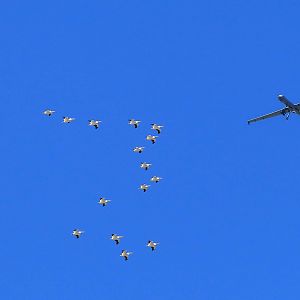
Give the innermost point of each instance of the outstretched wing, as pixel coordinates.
(270, 115)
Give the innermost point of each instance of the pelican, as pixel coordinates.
(103, 201)
(157, 127)
(144, 187)
(48, 112)
(145, 166)
(116, 238)
(125, 254)
(151, 138)
(77, 233)
(134, 123)
(68, 120)
(152, 245)
(138, 149)
(155, 179)
(94, 123)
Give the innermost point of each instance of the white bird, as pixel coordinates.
(155, 179)
(48, 112)
(68, 120)
(77, 233)
(138, 149)
(157, 127)
(145, 165)
(116, 238)
(103, 201)
(125, 254)
(144, 187)
(94, 123)
(151, 138)
(152, 245)
(134, 122)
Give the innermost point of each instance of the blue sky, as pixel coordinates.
(226, 213)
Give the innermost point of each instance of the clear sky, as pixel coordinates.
(227, 211)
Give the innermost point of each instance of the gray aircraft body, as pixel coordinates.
(289, 108)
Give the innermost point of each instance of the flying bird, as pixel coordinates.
(134, 123)
(144, 187)
(116, 238)
(151, 138)
(77, 233)
(48, 112)
(138, 149)
(152, 245)
(68, 120)
(156, 127)
(103, 201)
(145, 165)
(125, 254)
(155, 179)
(94, 123)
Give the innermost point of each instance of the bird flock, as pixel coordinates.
(144, 165)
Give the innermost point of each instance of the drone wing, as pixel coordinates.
(271, 115)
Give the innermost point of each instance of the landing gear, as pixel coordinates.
(286, 114)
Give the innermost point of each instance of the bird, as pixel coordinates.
(125, 254)
(48, 112)
(151, 138)
(103, 201)
(155, 179)
(94, 123)
(134, 122)
(116, 238)
(68, 120)
(77, 233)
(138, 149)
(157, 127)
(152, 245)
(144, 187)
(145, 165)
